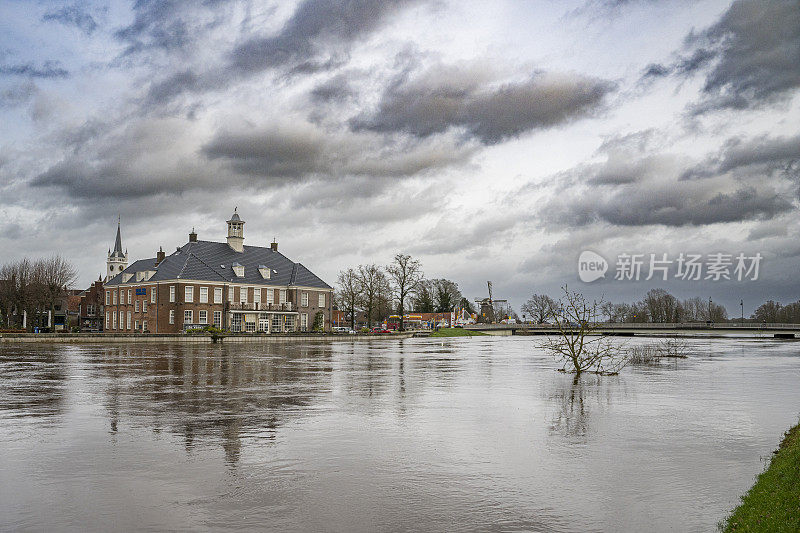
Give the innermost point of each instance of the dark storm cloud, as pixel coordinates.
(754, 158)
(302, 150)
(159, 24)
(315, 24)
(74, 15)
(315, 38)
(336, 89)
(152, 157)
(48, 69)
(140, 159)
(669, 205)
(638, 185)
(750, 57)
(449, 97)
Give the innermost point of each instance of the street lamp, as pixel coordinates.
(741, 302)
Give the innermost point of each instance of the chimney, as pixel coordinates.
(274, 246)
(160, 255)
(193, 236)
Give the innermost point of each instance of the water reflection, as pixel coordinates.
(579, 398)
(32, 383)
(453, 434)
(218, 395)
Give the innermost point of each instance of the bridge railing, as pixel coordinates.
(651, 325)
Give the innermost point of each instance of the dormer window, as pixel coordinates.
(126, 277)
(238, 270)
(264, 271)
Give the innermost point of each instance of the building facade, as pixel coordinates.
(223, 284)
(91, 311)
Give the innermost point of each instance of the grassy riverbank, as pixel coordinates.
(773, 503)
(456, 332)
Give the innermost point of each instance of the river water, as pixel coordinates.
(418, 434)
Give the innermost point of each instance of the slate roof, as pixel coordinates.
(213, 261)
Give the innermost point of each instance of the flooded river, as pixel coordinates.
(419, 434)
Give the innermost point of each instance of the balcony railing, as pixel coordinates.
(240, 306)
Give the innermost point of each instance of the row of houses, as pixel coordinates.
(228, 285)
(412, 320)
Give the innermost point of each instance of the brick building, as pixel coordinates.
(223, 284)
(91, 310)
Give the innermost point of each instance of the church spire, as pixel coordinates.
(118, 243)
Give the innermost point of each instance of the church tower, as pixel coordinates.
(117, 260)
(236, 232)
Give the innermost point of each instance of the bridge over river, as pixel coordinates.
(778, 331)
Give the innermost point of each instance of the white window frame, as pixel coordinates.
(217, 319)
(152, 295)
(144, 326)
(108, 297)
(203, 295)
(282, 296)
(202, 316)
(243, 295)
(114, 297)
(114, 320)
(144, 305)
(136, 306)
(108, 318)
(304, 299)
(321, 300)
(130, 298)
(256, 295)
(270, 296)
(217, 295)
(122, 320)
(129, 320)
(230, 294)
(172, 293)
(188, 294)
(136, 325)
(304, 321)
(171, 316)
(188, 313)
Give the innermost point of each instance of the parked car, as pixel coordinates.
(340, 329)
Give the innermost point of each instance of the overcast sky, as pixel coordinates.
(491, 140)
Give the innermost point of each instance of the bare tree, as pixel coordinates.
(349, 293)
(578, 345)
(405, 273)
(54, 274)
(372, 280)
(539, 307)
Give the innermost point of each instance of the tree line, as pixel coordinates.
(32, 288)
(400, 286)
(658, 305)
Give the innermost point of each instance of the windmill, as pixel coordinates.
(487, 312)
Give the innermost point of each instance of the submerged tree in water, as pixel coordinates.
(578, 345)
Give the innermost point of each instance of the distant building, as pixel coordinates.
(223, 284)
(91, 309)
(412, 320)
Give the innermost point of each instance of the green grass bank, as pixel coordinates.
(773, 503)
(456, 332)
